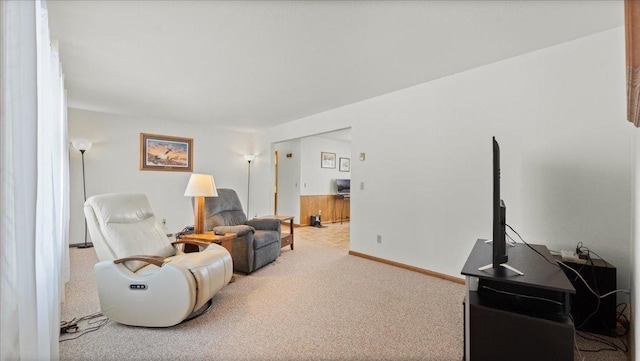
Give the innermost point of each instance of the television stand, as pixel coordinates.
(509, 242)
(504, 265)
(524, 318)
(484, 268)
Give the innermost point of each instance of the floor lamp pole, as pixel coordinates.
(249, 158)
(248, 188)
(84, 188)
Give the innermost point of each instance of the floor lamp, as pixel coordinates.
(249, 158)
(83, 145)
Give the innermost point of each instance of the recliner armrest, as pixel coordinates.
(240, 230)
(265, 224)
(194, 242)
(155, 260)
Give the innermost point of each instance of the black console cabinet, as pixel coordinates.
(601, 277)
(512, 317)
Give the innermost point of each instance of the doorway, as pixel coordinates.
(275, 186)
(299, 177)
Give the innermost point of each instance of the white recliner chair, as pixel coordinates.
(143, 280)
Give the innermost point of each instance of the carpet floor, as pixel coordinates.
(314, 303)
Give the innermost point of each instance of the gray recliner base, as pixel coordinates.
(261, 257)
(266, 255)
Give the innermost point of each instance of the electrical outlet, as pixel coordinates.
(361, 185)
(379, 239)
(164, 222)
(362, 156)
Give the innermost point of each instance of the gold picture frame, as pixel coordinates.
(166, 153)
(345, 164)
(328, 160)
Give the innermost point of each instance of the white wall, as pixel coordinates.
(316, 180)
(113, 164)
(559, 115)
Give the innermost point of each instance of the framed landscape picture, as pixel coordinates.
(328, 160)
(166, 153)
(345, 164)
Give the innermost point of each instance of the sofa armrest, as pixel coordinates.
(155, 260)
(240, 230)
(265, 224)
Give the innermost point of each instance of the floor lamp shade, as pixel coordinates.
(82, 144)
(200, 186)
(249, 157)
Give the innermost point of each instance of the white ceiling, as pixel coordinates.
(252, 65)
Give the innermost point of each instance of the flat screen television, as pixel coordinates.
(343, 185)
(499, 241)
(499, 213)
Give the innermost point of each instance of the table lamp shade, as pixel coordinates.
(201, 185)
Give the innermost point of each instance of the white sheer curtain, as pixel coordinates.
(34, 194)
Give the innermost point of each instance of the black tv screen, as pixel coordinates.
(499, 213)
(343, 185)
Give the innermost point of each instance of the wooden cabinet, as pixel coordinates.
(332, 208)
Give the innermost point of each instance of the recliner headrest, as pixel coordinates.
(121, 208)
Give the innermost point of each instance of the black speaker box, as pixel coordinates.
(587, 314)
(315, 221)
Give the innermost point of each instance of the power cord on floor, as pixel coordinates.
(575, 343)
(626, 325)
(71, 330)
(609, 345)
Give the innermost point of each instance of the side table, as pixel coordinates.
(343, 197)
(210, 237)
(286, 239)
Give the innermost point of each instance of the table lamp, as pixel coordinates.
(200, 186)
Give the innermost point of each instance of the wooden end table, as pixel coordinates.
(223, 240)
(286, 239)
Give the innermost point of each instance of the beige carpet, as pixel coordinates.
(314, 303)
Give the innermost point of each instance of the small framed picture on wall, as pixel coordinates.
(328, 160)
(345, 164)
